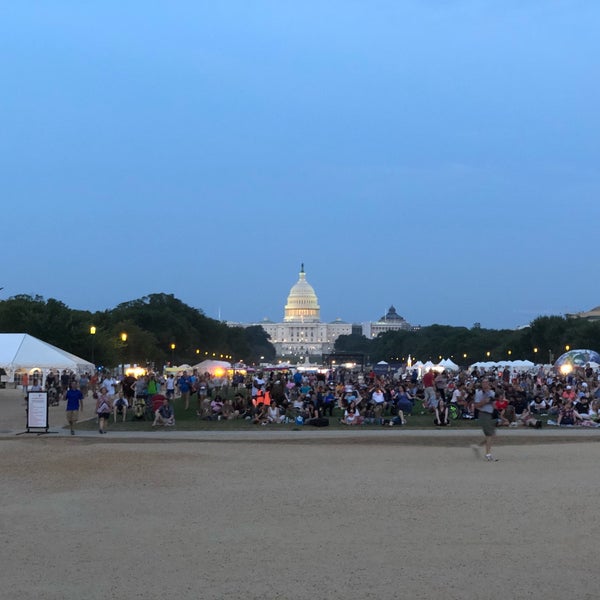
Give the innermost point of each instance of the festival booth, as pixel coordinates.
(21, 353)
(513, 365)
(381, 368)
(216, 368)
(447, 365)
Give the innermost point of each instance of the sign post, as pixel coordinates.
(37, 413)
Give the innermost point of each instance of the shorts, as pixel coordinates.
(487, 424)
(72, 416)
(103, 415)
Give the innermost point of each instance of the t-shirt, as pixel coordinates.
(74, 397)
(184, 384)
(166, 411)
(480, 395)
(109, 384)
(428, 379)
(378, 397)
(501, 404)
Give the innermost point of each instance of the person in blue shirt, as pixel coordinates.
(184, 385)
(74, 399)
(164, 415)
(328, 403)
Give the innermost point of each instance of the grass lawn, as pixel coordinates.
(188, 421)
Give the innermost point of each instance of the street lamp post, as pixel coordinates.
(93, 334)
(124, 343)
(173, 354)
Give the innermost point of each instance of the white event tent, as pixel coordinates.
(212, 366)
(21, 351)
(514, 365)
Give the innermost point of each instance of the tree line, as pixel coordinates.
(543, 341)
(161, 329)
(158, 329)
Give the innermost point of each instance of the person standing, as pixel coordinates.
(110, 383)
(170, 386)
(184, 385)
(74, 399)
(103, 409)
(484, 403)
(430, 400)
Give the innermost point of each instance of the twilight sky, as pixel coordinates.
(438, 155)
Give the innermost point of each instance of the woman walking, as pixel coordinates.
(103, 409)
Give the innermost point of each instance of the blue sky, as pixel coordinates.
(440, 156)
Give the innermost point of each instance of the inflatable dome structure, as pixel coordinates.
(576, 358)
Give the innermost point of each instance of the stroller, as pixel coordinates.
(139, 408)
(53, 396)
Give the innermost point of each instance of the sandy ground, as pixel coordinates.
(309, 516)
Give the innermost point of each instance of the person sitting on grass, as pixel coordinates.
(216, 407)
(164, 415)
(441, 414)
(228, 411)
(501, 406)
(120, 405)
(567, 415)
(528, 419)
(352, 416)
(259, 416)
(396, 419)
(274, 414)
(404, 400)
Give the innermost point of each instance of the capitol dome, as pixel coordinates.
(302, 304)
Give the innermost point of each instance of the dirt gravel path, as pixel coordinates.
(264, 518)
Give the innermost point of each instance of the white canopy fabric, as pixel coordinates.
(23, 351)
(211, 366)
(449, 364)
(516, 365)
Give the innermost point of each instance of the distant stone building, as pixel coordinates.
(391, 321)
(590, 315)
(302, 334)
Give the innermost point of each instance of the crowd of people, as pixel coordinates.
(354, 397)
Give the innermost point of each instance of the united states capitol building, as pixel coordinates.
(303, 334)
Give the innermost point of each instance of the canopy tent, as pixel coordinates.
(381, 367)
(216, 368)
(23, 351)
(449, 365)
(515, 365)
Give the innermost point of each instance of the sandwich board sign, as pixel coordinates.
(37, 411)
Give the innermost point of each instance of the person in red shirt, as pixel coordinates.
(501, 404)
(430, 400)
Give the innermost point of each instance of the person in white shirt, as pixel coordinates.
(109, 383)
(378, 398)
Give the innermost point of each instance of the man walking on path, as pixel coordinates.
(74, 399)
(484, 402)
